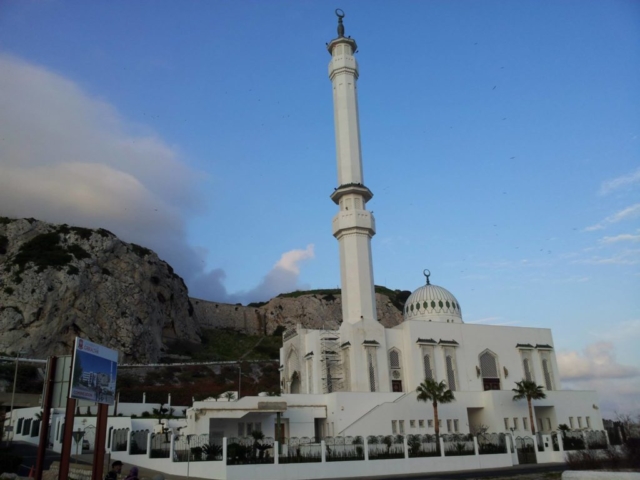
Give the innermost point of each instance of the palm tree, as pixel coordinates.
(432, 391)
(229, 396)
(529, 390)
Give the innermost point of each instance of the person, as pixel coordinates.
(116, 467)
(133, 474)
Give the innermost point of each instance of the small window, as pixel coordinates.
(515, 423)
(241, 429)
(249, 428)
(506, 424)
(401, 425)
(421, 423)
(449, 425)
(588, 419)
(549, 424)
(394, 426)
(412, 423)
(540, 425)
(430, 423)
(456, 427)
(571, 423)
(579, 422)
(525, 423)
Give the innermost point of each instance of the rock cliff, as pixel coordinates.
(312, 310)
(58, 282)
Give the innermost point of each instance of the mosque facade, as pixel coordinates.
(361, 379)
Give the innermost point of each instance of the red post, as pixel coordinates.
(100, 442)
(46, 415)
(65, 454)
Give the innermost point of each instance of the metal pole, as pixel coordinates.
(46, 415)
(239, 378)
(13, 395)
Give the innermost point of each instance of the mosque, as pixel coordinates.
(361, 379)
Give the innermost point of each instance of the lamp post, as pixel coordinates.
(13, 394)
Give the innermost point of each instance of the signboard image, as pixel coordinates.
(94, 372)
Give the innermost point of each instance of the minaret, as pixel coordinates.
(354, 225)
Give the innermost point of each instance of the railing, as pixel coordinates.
(299, 450)
(340, 449)
(458, 444)
(385, 447)
(596, 439)
(120, 437)
(197, 448)
(422, 446)
(573, 441)
(160, 445)
(138, 442)
(492, 443)
(248, 450)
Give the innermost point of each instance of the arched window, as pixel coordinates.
(293, 368)
(527, 365)
(372, 368)
(395, 370)
(450, 364)
(428, 362)
(490, 372)
(346, 369)
(546, 369)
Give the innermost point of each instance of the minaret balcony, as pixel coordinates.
(355, 220)
(346, 189)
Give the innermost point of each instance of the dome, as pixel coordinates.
(432, 303)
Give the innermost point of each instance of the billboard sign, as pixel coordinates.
(94, 372)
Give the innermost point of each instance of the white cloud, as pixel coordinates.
(625, 237)
(596, 368)
(630, 212)
(597, 361)
(623, 181)
(68, 157)
(626, 257)
(283, 277)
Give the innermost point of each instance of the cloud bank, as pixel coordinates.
(622, 182)
(67, 157)
(596, 368)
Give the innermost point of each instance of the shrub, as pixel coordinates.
(145, 414)
(8, 290)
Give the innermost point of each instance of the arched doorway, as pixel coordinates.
(295, 383)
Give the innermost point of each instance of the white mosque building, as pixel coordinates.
(361, 379)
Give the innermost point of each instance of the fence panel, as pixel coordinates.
(383, 447)
(339, 449)
(120, 436)
(249, 450)
(458, 444)
(492, 443)
(138, 442)
(197, 448)
(422, 446)
(596, 440)
(160, 445)
(573, 441)
(299, 450)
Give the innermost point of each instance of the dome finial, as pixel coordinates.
(427, 274)
(340, 15)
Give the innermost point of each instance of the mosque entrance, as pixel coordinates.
(396, 385)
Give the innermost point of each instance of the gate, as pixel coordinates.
(526, 450)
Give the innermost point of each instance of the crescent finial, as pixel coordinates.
(427, 274)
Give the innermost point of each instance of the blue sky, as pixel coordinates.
(500, 140)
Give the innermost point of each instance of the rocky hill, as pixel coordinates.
(58, 282)
(313, 309)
